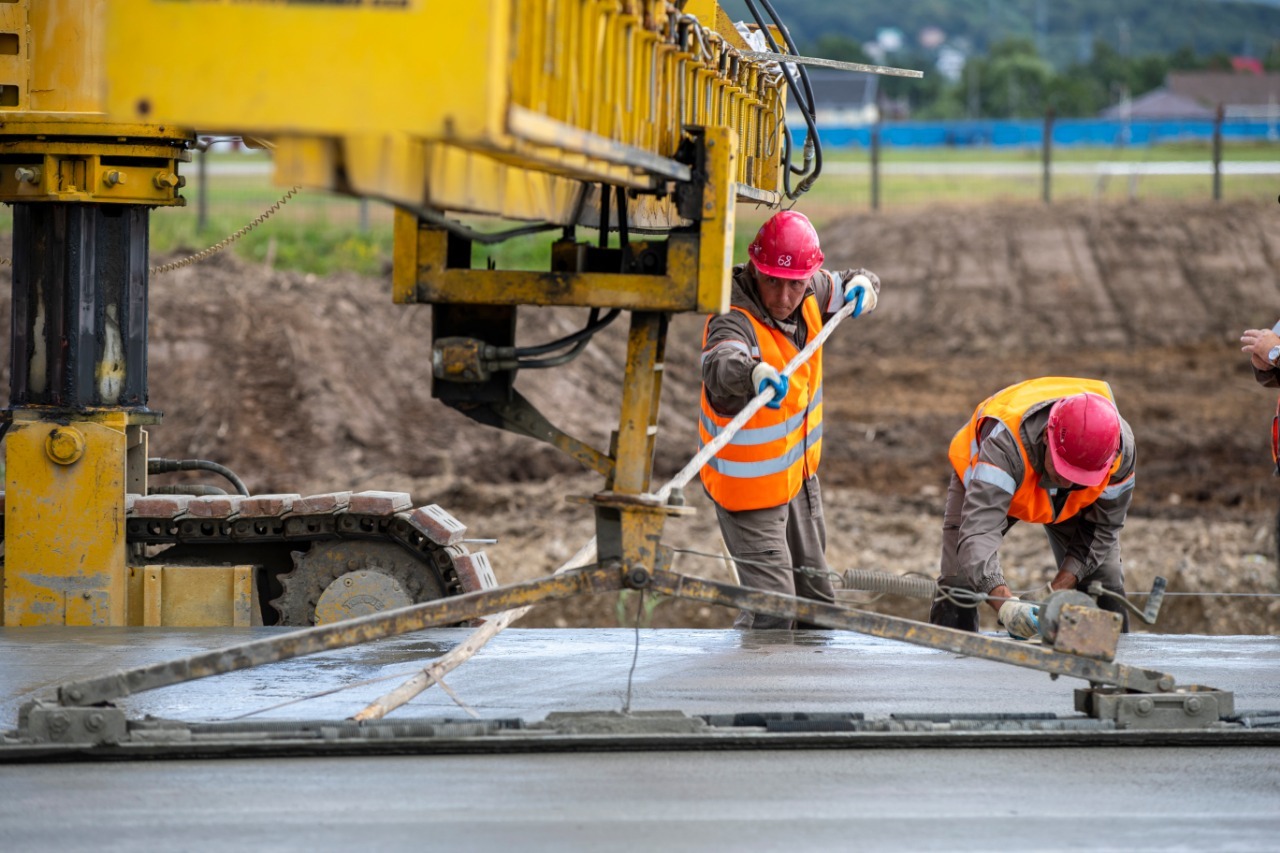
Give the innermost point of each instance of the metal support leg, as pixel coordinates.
(628, 528)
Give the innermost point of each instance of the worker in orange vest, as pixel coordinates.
(1051, 451)
(764, 482)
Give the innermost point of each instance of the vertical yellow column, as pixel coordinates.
(65, 555)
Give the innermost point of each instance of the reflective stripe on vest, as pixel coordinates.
(767, 461)
(1030, 500)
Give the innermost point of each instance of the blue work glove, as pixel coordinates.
(1020, 618)
(864, 288)
(766, 375)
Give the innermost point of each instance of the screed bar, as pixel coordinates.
(592, 581)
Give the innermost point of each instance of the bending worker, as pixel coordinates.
(764, 482)
(1051, 451)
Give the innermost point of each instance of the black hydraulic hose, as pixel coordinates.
(484, 238)
(791, 45)
(804, 98)
(556, 361)
(812, 111)
(157, 465)
(195, 489)
(593, 325)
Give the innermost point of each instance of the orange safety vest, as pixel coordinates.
(1031, 501)
(768, 460)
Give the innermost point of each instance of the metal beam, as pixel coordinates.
(593, 581)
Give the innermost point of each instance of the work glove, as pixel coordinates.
(1020, 618)
(869, 283)
(763, 375)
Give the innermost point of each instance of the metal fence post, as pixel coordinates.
(1046, 179)
(875, 165)
(1217, 154)
(202, 177)
(364, 216)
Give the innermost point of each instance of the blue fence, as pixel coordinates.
(1029, 133)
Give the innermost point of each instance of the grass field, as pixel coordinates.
(318, 232)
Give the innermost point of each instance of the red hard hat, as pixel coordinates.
(786, 246)
(1083, 437)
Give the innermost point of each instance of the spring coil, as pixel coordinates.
(888, 584)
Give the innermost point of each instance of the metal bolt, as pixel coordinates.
(115, 176)
(74, 694)
(638, 577)
(1192, 705)
(64, 445)
(59, 724)
(710, 206)
(25, 175)
(93, 722)
(1145, 706)
(1165, 682)
(166, 180)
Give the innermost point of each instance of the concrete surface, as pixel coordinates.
(914, 799)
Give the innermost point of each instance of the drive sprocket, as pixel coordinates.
(352, 577)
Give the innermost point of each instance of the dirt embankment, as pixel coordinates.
(306, 384)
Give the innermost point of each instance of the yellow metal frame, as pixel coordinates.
(192, 596)
(57, 144)
(697, 276)
(65, 557)
(507, 105)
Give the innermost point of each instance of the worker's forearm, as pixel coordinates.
(998, 596)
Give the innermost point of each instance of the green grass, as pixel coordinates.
(322, 233)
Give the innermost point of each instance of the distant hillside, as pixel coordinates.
(1064, 30)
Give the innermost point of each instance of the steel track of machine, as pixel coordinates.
(291, 560)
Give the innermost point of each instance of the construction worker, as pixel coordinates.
(1052, 451)
(764, 482)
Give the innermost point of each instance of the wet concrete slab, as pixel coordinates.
(530, 673)
(1063, 798)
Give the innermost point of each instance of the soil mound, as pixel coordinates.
(306, 384)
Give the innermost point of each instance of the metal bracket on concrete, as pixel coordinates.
(1190, 707)
(48, 722)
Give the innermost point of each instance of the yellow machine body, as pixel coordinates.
(513, 109)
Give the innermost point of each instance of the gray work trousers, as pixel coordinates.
(1110, 571)
(766, 543)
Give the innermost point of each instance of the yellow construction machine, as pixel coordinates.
(627, 116)
(630, 116)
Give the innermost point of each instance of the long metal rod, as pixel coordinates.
(339, 635)
(886, 70)
(910, 631)
(450, 611)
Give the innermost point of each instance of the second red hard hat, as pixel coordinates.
(1083, 437)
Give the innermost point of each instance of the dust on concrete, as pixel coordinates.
(306, 384)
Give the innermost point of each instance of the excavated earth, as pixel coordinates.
(306, 384)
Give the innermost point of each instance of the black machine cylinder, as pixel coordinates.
(79, 329)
